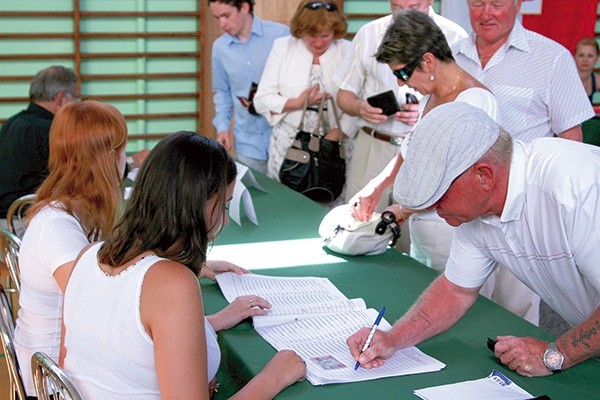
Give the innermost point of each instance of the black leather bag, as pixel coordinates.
(313, 165)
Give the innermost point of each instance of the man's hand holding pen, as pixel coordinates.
(382, 347)
(370, 346)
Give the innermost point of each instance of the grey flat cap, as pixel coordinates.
(444, 144)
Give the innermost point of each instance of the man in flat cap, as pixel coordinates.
(533, 208)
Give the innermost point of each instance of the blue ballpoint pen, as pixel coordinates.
(370, 337)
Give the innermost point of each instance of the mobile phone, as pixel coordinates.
(249, 101)
(491, 344)
(411, 99)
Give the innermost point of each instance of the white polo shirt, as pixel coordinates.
(548, 235)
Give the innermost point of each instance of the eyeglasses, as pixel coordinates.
(405, 73)
(315, 5)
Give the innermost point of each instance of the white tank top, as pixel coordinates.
(109, 353)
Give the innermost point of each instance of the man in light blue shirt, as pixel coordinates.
(238, 59)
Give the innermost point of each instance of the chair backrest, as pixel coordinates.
(9, 247)
(50, 381)
(15, 216)
(7, 327)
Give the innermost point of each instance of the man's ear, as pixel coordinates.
(245, 8)
(62, 98)
(485, 175)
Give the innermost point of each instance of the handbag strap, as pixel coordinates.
(301, 124)
(321, 122)
(321, 118)
(318, 133)
(336, 117)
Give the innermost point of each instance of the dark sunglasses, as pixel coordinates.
(315, 5)
(404, 73)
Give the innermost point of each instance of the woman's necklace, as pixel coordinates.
(441, 98)
(457, 81)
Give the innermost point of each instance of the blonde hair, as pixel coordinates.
(314, 22)
(86, 141)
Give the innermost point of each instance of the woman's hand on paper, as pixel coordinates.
(382, 348)
(214, 267)
(287, 366)
(284, 369)
(241, 308)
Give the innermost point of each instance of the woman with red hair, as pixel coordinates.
(76, 204)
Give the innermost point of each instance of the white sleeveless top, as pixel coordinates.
(109, 353)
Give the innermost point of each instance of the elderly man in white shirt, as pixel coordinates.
(539, 94)
(532, 208)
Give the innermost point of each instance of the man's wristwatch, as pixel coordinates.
(553, 358)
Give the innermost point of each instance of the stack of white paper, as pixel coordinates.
(312, 317)
(321, 342)
(496, 386)
(292, 299)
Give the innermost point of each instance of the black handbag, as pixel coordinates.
(313, 165)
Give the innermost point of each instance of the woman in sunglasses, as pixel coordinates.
(418, 54)
(301, 66)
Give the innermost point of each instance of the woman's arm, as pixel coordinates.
(284, 369)
(241, 308)
(171, 310)
(365, 201)
(269, 100)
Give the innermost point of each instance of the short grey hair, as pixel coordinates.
(49, 82)
(501, 151)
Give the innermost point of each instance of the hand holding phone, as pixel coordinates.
(386, 101)
(411, 99)
(247, 102)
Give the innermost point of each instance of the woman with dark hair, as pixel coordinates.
(134, 325)
(418, 54)
(301, 66)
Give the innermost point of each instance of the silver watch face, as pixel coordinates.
(553, 359)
